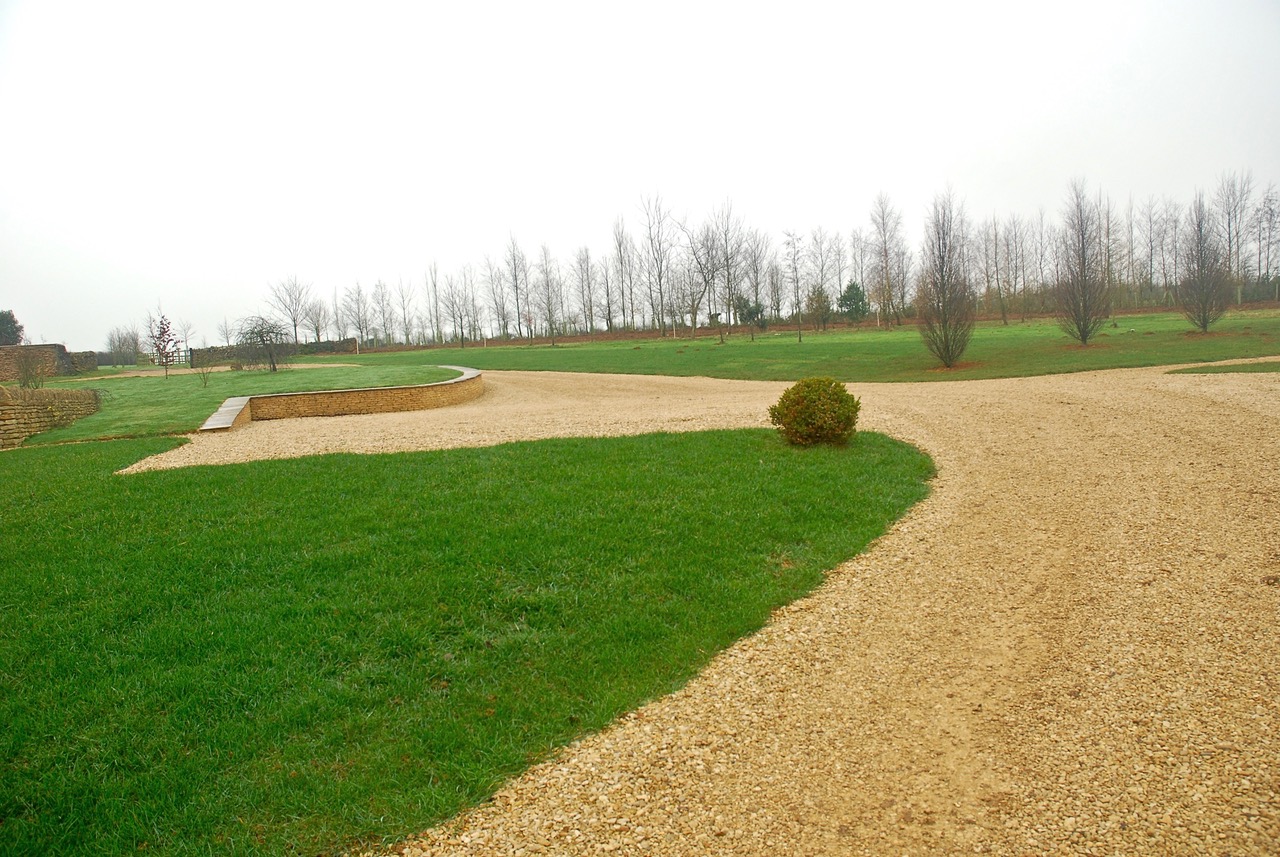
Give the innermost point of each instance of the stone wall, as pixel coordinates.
(27, 412)
(49, 361)
(372, 400)
(215, 355)
(239, 411)
(336, 346)
(225, 355)
(82, 361)
(44, 359)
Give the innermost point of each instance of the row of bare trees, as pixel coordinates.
(674, 275)
(955, 265)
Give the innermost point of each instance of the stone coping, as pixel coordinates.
(240, 410)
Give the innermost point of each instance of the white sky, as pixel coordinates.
(190, 154)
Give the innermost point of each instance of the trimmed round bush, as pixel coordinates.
(816, 410)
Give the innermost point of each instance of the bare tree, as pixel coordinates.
(290, 298)
(604, 272)
(625, 264)
(1233, 202)
(357, 312)
(730, 238)
(454, 300)
(704, 265)
(263, 342)
(820, 260)
(124, 343)
(226, 331)
(584, 275)
(888, 261)
(793, 256)
(1129, 275)
(406, 312)
(903, 260)
(1045, 242)
(989, 265)
(473, 311)
(659, 247)
(184, 330)
(859, 257)
(432, 286)
(384, 312)
(495, 277)
(339, 318)
(840, 262)
(1013, 259)
(777, 285)
(317, 317)
(550, 291)
(1148, 238)
(1170, 238)
(757, 256)
(1082, 298)
(518, 276)
(823, 279)
(1202, 291)
(1109, 245)
(945, 297)
(1266, 217)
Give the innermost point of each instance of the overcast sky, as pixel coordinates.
(189, 155)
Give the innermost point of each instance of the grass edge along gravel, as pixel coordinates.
(868, 355)
(302, 656)
(1268, 366)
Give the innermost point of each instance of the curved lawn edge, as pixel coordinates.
(238, 411)
(460, 615)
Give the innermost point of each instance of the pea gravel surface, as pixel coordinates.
(1071, 647)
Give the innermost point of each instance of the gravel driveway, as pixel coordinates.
(1072, 646)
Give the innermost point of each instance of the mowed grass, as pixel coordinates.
(154, 405)
(294, 656)
(1035, 347)
(1270, 366)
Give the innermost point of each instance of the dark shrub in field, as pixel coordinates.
(816, 410)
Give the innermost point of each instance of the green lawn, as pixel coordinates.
(1271, 366)
(292, 656)
(155, 405)
(1036, 347)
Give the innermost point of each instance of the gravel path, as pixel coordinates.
(1070, 647)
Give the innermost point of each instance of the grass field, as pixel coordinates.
(1270, 366)
(154, 405)
(290, 656)
(1036, 347)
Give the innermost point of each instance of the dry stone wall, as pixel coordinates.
(47, 361)
(24, 413)
(373, 400)
(226, 355)
(236, 412)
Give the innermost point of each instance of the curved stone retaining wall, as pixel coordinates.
(237, 411)
(27, 412)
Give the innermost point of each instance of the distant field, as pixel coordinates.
(1036, 347)
(155, 405)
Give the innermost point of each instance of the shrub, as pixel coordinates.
(816, 410)
(31, 368)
